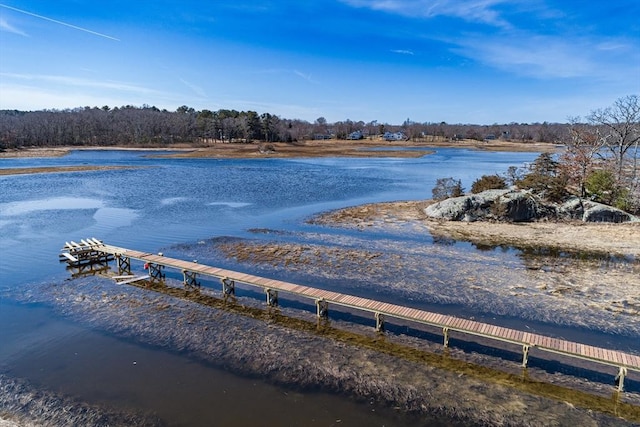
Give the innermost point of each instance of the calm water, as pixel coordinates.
(176, 201)
(167, 202)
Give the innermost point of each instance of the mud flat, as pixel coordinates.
(565, 291)
(587, 274)
(59, 169)
(23, 405)
(620, 239)
(288, 347)
(311, 148)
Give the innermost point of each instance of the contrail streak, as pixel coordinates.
(59, 22)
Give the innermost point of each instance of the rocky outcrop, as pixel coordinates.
(603, 213)
(588, 211)
(509, 205)
(465, 207)
(518, 206)
(521, 206)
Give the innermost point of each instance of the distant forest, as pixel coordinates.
(149, 126)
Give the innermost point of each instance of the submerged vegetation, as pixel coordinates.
(22, 404)
(288, 347)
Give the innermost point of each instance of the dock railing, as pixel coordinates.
(88, 251)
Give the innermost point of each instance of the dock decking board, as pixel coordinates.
(569, 348)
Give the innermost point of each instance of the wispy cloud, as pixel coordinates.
(307, 77)
(196, 89)
(403, 52)
(24, 97)
(526, 48)
(549, 56)
(611, 45)
(6, 27)
(483, 11)
(55, 21)
(79, 82)
(29, 92)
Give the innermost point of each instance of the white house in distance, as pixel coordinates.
(394, 136)
(355, 135)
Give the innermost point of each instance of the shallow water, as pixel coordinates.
(104, 370)
(169, 202)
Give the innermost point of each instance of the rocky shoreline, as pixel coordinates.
(514, 205)
(564, 235)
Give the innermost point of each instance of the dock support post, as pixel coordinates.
(445, 333)
(525, 355)
(622, 373)
(379, 322)
(124, 264)
(228, 286)
(190, 279)
(322, 308)
(272, 297)
(155, 271)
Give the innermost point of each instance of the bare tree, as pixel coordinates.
(578, 161)
(618, 128)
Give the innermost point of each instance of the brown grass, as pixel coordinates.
(620, 239)
(324, 148)
(52, 169)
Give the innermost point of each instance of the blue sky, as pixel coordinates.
(466, 61)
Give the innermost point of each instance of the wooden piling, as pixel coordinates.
(91, 250)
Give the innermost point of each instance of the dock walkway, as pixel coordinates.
(381, 310)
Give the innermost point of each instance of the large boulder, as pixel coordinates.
(518, 206)
(573, 208)
(589, 211)
(596, 212)
(522, 205)
(511, 205)
(468, 207)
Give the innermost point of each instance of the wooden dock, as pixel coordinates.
(79, 254)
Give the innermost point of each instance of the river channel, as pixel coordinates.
(178, 206)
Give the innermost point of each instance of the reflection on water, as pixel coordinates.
(40, 219)
(230, 204)
(179, 201)
(173, 200)
(187, 393)
(56, 203)
(114, 217)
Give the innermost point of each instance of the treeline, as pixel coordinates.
(150, 126)
(599, 162)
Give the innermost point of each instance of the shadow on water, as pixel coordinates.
(41, 384)
(380, 343)
(397, 342)
(420, 277)
(536, 253)
(384, 343)
(591, 372)
(229, 198)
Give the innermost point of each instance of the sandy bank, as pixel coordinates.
(29, 152)
(325, 148)
(58, 169)
(618, 239)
